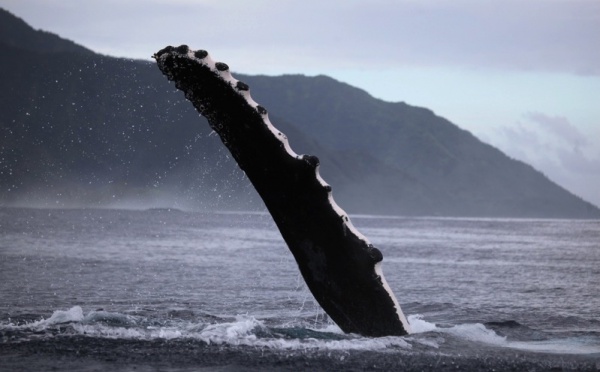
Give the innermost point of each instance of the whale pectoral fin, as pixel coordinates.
(340, 267)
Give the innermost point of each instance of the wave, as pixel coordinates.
(249, 331)
(242, 331)
(479, 333)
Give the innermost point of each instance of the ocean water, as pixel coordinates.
(164, 289)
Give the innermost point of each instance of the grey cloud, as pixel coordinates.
(531, 35)
(519, 35)
(557, 148)
(576, 161)
(519, 141)
(550, 142)
(560, 128)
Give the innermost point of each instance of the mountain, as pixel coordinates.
(457, 173)
(15, 33)
(83, 129)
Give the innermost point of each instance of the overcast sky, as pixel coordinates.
(522, 75)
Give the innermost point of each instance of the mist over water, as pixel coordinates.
(227, 278)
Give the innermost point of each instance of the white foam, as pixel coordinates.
(471, 331)
(241, 331)
(419, 325)
(244, 330)
(74, 314)
(478, 333)
(233, 333)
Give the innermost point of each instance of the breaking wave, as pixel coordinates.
(249, 331)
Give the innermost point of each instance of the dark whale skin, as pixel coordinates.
(340, 267)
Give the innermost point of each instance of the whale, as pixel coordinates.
(341, 268)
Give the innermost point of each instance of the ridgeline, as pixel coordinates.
(80, 129)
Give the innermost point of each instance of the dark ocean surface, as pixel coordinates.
(93, 289)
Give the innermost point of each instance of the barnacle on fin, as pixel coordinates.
(221, 66)
(167, 49)
(261, 110)
(182, 49)
(242, 86)
(312, 160)
(200, 54)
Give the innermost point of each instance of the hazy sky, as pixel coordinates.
(521, 75)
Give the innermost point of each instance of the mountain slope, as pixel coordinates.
(18, 34)
(84, 129)
(461, 172)
(81, 129)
